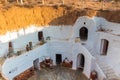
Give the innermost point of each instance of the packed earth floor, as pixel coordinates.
(58, 73)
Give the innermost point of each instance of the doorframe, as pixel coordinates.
(79, 57)
(56, 58)
(104, 45)
(36, 64)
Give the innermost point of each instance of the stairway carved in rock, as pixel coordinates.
(107, 70)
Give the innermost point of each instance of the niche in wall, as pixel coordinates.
(104, 46)
(40, 35)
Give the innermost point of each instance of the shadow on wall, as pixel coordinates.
(70, 16)
(111, 16)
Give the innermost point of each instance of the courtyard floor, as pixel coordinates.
(58, 73)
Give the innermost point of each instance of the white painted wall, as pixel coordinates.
(58, 32)
(94, 38)
(19, 43)
(15, 65)
(90, 25)
(100, 74)
(23, 36)
(62, 42)
(60, 47)
(79, 49)
(111, 34)
(23, 62)
(19, 39)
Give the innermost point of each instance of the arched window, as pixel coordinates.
(83, 33)
(104, 46)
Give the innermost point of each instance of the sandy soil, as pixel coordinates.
(13, 17)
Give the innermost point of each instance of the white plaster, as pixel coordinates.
(79, 49)
(16, 65)
(62, 41)
(100, 74)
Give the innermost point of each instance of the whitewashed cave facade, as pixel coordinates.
(95, 41)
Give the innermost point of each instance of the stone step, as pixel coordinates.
(112, 78)
(109, 72)
(102, 64)
(106, 69)
(92, 52)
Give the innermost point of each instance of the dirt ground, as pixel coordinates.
(58, 73)
(13, 17)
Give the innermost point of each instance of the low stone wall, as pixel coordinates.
(25, 75)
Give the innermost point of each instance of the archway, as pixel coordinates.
(80, 61)
(104, 46)
(83, 33)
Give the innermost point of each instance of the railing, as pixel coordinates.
(23, 50)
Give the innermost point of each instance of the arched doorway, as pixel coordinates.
(83, 33)
(104, 46)
(80, 61)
